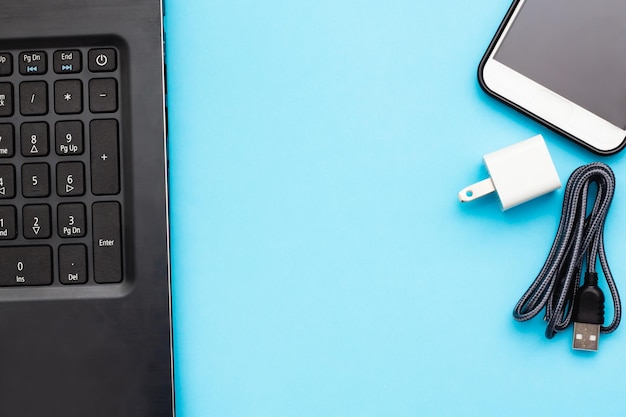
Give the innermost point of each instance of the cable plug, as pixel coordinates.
(518, 173)
(588, 314)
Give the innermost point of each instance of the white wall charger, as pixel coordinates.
(518, 173)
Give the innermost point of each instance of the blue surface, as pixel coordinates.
(322, 265)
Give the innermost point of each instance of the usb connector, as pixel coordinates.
(588, 314)
(586, 336)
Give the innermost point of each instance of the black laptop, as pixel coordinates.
(85, 328)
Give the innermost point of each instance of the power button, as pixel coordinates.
(102, 60)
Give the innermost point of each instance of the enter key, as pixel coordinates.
(107, 243)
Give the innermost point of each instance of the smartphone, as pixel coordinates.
(563, 63)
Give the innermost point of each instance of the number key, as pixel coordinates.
(36, 219)
(35, 180)
(71, 220)
(34, 139)
(25, 265)
(7, 181)
(8, 222)
(69, 138)
(6, 140)
(70, 179)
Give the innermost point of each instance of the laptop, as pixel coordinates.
(85, 317)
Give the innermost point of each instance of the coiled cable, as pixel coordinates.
(578, 244)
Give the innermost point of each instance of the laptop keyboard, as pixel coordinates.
(60, 167)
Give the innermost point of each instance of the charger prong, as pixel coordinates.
(474, 191)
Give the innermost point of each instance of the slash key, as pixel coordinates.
(33, 98)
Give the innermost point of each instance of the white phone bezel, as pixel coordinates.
(547, 105)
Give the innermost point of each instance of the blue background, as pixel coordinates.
(322, 265)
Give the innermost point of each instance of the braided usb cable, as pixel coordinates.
(579, 243)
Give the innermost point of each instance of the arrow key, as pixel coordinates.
(70, 179)
(34, 139)
(7, 181)
(36, 221)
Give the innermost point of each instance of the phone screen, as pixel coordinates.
(576, 48)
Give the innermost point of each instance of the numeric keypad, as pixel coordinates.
(61, 184)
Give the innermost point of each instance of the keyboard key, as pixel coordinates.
(25, 265)
(34, 98)
(67, 62)
(36, 221)
(6, 99)
(7, 140)
(7, 181)
(69, 138)
(34, 139)
(71, 220)
(6, 64)
(73, 264)
(8, 223)
(104, 157)
(103, 59)
(35, 180)
(103, 95)
(107, 243)
(68, 97)
(33, 63)
(70, 179)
